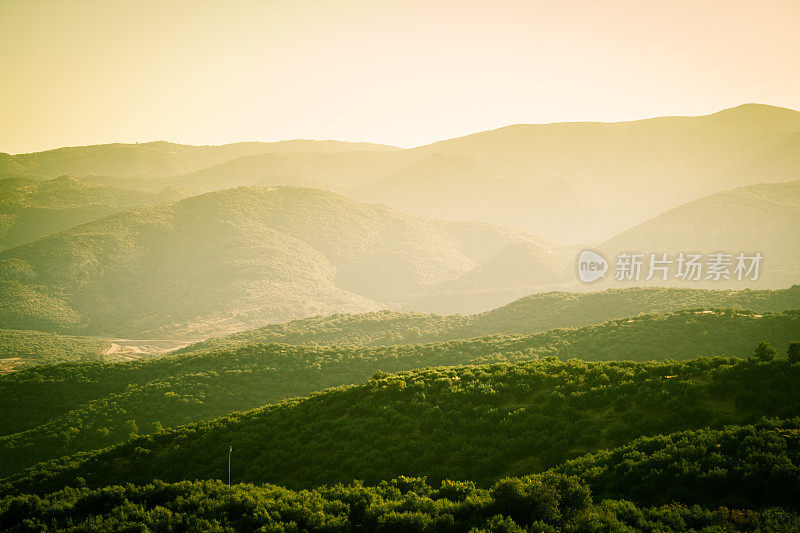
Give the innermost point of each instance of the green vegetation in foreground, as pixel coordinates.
(543, 503)
(40, 347)
(59, 410)
(477, 423)
(532, 314)
(752, 467)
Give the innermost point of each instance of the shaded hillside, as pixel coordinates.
(231, 259)
(532, 314)
(32, 209)
(470, 422)
(758, 218)
(58, 410)
(152, 159)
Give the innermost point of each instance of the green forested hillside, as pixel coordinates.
(379, 328)
(40, 347)
(58, 410)
(532, 314)
(751, 466)
(477, 423)
(231, 259)
(32, 209)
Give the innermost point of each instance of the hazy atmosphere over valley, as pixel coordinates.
(383, 266)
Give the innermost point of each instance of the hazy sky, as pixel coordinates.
(405, 73)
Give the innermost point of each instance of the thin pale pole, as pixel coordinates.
(230, 449)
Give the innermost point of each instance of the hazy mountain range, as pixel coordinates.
(112, 251)
(569, 182)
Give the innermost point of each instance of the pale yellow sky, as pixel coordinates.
(405, 73)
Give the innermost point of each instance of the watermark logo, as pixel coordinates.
(661, 266)
(591, 266)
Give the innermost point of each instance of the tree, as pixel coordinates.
(794, 352)
(765, 352)
(130, 429)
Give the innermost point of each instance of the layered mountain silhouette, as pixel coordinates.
(244, 257)
(569, 182)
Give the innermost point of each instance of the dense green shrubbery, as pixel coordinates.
(380, 328)
(475, 423)
(55, 411)
(736, 479)
(545, 503)
(750, 466)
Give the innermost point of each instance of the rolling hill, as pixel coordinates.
(243, 257)
(532, 314)
(477, 423)
(31, 209)
(53, 411)
(756, 218)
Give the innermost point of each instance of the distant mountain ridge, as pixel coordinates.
(241, 258)
(571, 182)
(153, 159)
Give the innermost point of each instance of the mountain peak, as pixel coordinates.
(772, 115)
